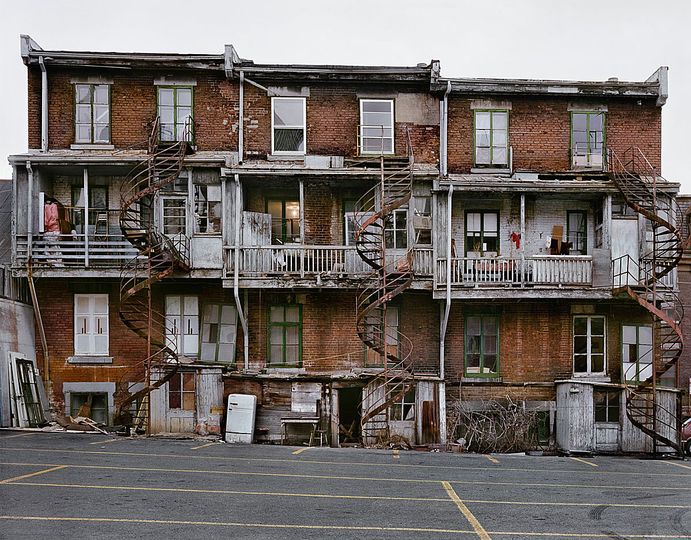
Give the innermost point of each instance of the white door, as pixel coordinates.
(625, 242)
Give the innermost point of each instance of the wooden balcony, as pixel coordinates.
(543, 270)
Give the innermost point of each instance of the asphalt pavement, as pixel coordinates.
(57, 485)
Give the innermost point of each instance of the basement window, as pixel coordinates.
(288, 125)
(606, 404)
(92, 113)
(491, 138)
(92, 405)
(376, 126)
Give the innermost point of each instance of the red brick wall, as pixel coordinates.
(34, 107)
(539, 132)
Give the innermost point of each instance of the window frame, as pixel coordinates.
(175, 89)
(482, 252)
(396, 232)
(283, 325)
(104, 395)
(603, 155)
(638, 358)
(490, 165)
(217, 343)
(179, 340)
(399, 406)
(481, 374)
(92, 124)
(393, 337)
(284, 238)
(589, 354)
(302, 152)
(92, 316)
(180, 374)
(609, 397)
(392, 112)
(583, 213)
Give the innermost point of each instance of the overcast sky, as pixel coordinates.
(544, 39)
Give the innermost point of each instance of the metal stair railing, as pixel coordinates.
(643, 281)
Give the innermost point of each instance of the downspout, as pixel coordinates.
(236, 273)
(44, 105)
(445, 130)
(241, 119)
(29, 210)
(444, 325)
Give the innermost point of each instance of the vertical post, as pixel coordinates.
(607, 223)
(86, 217)
(382, 289)
(190, 222)
(522, 239)
(29, 210)
(241, 118)
(302, 228)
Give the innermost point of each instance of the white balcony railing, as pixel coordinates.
(75, 251)
(558, 270)
(300, 261)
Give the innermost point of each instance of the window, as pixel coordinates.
(95, 406)
(207, 209)
(637, 352)
(482, 233)
(174, 214)
(396, 229)
(285, 220)
(482, 345)
(422, 219)
(175, 112)
(491, 138)
(374, 358)
(90, 324)
(376, 126)
(219, 331)
(92, 113)
(181, 391)
(587, 139)
(598, 221)
(288, 131)
(285, 335)
(606, 405)
(182, 324)
(404, 407)
(99, 216)
(576, 232)
(589, 345)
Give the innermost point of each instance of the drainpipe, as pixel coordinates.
(444, 325)
(236, 273)
(29, 209)
(241, 119)
(443, 139)
(44, 105)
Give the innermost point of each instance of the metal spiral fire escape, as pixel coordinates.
(159, 256)
(392, 275)
(647, 281)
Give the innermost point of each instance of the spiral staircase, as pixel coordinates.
(392, 275)
(649, 281)
(159, 256)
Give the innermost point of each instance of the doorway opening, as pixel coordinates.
(349, 400)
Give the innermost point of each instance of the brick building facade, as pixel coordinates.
(497, 207)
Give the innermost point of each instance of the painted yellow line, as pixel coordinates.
(285, 526)
(202, 446)
(474, 523)
(492, 459)
(357, 478)
(584, 461)
(231, 492)
(238, 524)
(554, 503)
(678, 464)
(300, 450)
(22, 477)
(396, 454)
(106, 441)
(20, 435)
(637, 475)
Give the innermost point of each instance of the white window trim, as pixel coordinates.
(91, 315)
(396, 232)
(304, 127)
(178, 341)
(393, 127)
(600, 375)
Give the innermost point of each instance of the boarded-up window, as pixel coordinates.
(304, 397)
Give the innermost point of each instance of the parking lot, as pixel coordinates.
(95, 486)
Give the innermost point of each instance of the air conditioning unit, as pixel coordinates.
(422, 222)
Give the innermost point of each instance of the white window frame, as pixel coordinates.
(382, 137)
(92, 114)
(97, 324)
(396, 232)
(303, 100)
(636, 369)
(589, 335)
(163, 199)
(183, 343)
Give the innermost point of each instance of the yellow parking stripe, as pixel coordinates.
(300, 450)
(474, 523)
(106, 441)
(202, 446)
(584, 461)
(492, 459)
(22, 477)
(678, 464)
(20, 435)
(396, 454)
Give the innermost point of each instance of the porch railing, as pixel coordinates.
(75, 251)
(569, 270)
(260, 261)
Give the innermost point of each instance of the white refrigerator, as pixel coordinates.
(241, 412)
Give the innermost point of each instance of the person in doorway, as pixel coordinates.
(51, 228)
